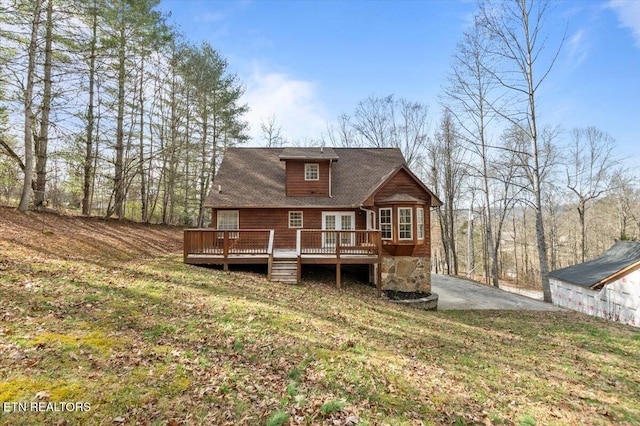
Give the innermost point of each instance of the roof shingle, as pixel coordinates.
(596, 272)
(255, 177)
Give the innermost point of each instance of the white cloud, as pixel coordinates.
(628, 12)
(578, 47)
(294, 104)
(211, 17)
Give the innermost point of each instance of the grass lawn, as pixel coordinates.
(106, 316)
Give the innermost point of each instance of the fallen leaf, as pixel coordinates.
(118, 419)
(351, 421)
(43, 395)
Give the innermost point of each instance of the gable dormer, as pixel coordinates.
(308, 171)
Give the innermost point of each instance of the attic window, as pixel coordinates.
(311, 171)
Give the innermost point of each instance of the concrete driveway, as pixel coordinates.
(456, 293)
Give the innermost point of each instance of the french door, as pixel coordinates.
(338, 221)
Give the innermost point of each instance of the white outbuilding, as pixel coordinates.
(606, 287)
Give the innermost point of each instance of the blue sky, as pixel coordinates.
(306, 62)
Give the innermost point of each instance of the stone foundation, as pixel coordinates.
(429, 303)
(406, 273)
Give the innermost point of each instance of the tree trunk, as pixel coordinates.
(43, 137)
(471, 255)
(143, 181)
(203, 170)
(537, 190)
(452, 238)
(493, 266)
(583, 230)
(87, 176)
(515, 250)
(28, 111)
(118, 180)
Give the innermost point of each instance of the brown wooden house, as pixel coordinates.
(286, 207)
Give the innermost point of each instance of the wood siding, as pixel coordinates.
(278, 220)
(285, 238)
(296, 186)
(401, 183)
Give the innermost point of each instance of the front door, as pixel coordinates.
(338, 221)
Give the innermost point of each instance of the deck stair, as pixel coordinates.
(285, 270)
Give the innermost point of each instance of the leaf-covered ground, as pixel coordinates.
(106, 314)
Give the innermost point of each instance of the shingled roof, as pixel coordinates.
(308, 154)
(255, 177)
(620, 259)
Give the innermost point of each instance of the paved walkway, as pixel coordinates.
(456, 293)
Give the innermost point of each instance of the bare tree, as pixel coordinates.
(341, 134)
(411, 130)
(505, 191)
(519, 43)
(626, 199)
(589, 171)
(447, 164)
(469, 94)
(271, 132)
(373, 121)
(385, 123)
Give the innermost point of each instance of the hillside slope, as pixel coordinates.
(105, 315)
(73, 237)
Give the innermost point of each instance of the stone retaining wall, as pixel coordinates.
(406, 273)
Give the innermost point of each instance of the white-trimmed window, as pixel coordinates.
(227, 219)
(311, 171)
(295, 219)
(405, 223)
(420, 222)
(386, 227)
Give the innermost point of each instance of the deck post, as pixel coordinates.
(270, 253)
(298, 256)
(225, 250)
(379, 265)
(185, 251)
(338, 272)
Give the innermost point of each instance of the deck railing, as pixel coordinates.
(208, 241)
(337, 243)
(249, 242)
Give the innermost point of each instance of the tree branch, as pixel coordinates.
(11, 153)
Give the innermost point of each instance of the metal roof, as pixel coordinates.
(620, 259)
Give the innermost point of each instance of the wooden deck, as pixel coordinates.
(225, 247)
